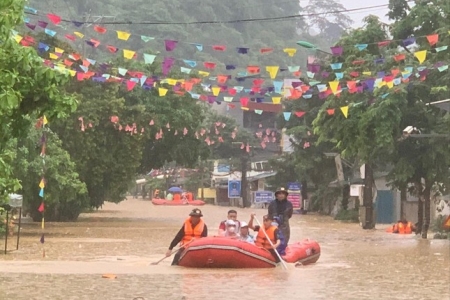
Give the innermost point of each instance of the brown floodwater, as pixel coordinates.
(123, 239)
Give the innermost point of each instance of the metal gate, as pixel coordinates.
(385, 207)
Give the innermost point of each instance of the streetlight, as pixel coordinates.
(310, 46)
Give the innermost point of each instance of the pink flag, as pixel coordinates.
(170, 44)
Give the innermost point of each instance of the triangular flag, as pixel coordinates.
(258, 111)
(45, 121)
(99, 29)
(149, 58)
(433, 39)
(300, 113)
(290, 51)
(130, 85)
(273, 70)
(333, 86)
(216, 90)
(330, 111)
(146, 39)
(287, 115)
(123, 35)
(162, 92)
(344, 110)
(41, 193)
(228, 99)
(276, 100)
(128, 54)
(42, 183)
(41, 207)
(54, 18)
(421, 55)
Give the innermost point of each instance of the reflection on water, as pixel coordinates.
(124, 239)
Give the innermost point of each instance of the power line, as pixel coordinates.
(249, 20)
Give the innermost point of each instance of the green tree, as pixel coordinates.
(28, 88)
(423, 162)
(64, 193)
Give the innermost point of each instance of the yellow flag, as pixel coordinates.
(42, 184)
(334, 86)
(162, 92)
(344, 110)
(203, 73)
(72, 72)
(79, 34)
(42, 223)
(390, 84)
(18, 38)
(368, 73)
(216, 90)
(171, 81)
(45, 120)
(245, 108)
(128, 54)
(59, 50)
(290, 51)
(122, 35)
(381, 83)
(276, 100)
(421, 55)
(53, 56)
(273, 71)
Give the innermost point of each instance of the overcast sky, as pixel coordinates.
(359, 15)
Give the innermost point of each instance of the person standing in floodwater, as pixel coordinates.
(283, 210)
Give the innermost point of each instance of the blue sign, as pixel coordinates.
(234, 189)
(264, 196)
(294, 186)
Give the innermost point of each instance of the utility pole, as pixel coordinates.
(244, 184)
(368, 197)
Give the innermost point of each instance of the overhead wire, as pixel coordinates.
(246, 20)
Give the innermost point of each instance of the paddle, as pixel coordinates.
(179, 248)
(271, 244)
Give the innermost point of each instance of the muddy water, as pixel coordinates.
(123, 239)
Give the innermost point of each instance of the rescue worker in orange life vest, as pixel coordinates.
(193, 228)
(403, 227)
(271, 231)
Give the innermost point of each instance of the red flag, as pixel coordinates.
(54, 18)
(99, 29)
(41, 208)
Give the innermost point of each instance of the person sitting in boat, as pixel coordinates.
(283, 209)
(232, 215)
(193, 228)
(271, 231)
(231, 229)
(283, 245)
(402, 227)
(244, 234)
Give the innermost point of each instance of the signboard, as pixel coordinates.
(234, 189)
(295, 197)
(15, 200)
(264, 196)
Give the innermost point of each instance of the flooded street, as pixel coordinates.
(123, 239)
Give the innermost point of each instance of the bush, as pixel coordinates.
(436, 226)
(348, 215)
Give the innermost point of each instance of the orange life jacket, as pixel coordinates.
(261, 240)
(402, 229)
(190, 233)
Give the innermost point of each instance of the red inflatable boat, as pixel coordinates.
(173, 202)
(220, 252)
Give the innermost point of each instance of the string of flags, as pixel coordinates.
(131, 78)
(211, 137)
(189, 65)
(42, 124)
(170, 44)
